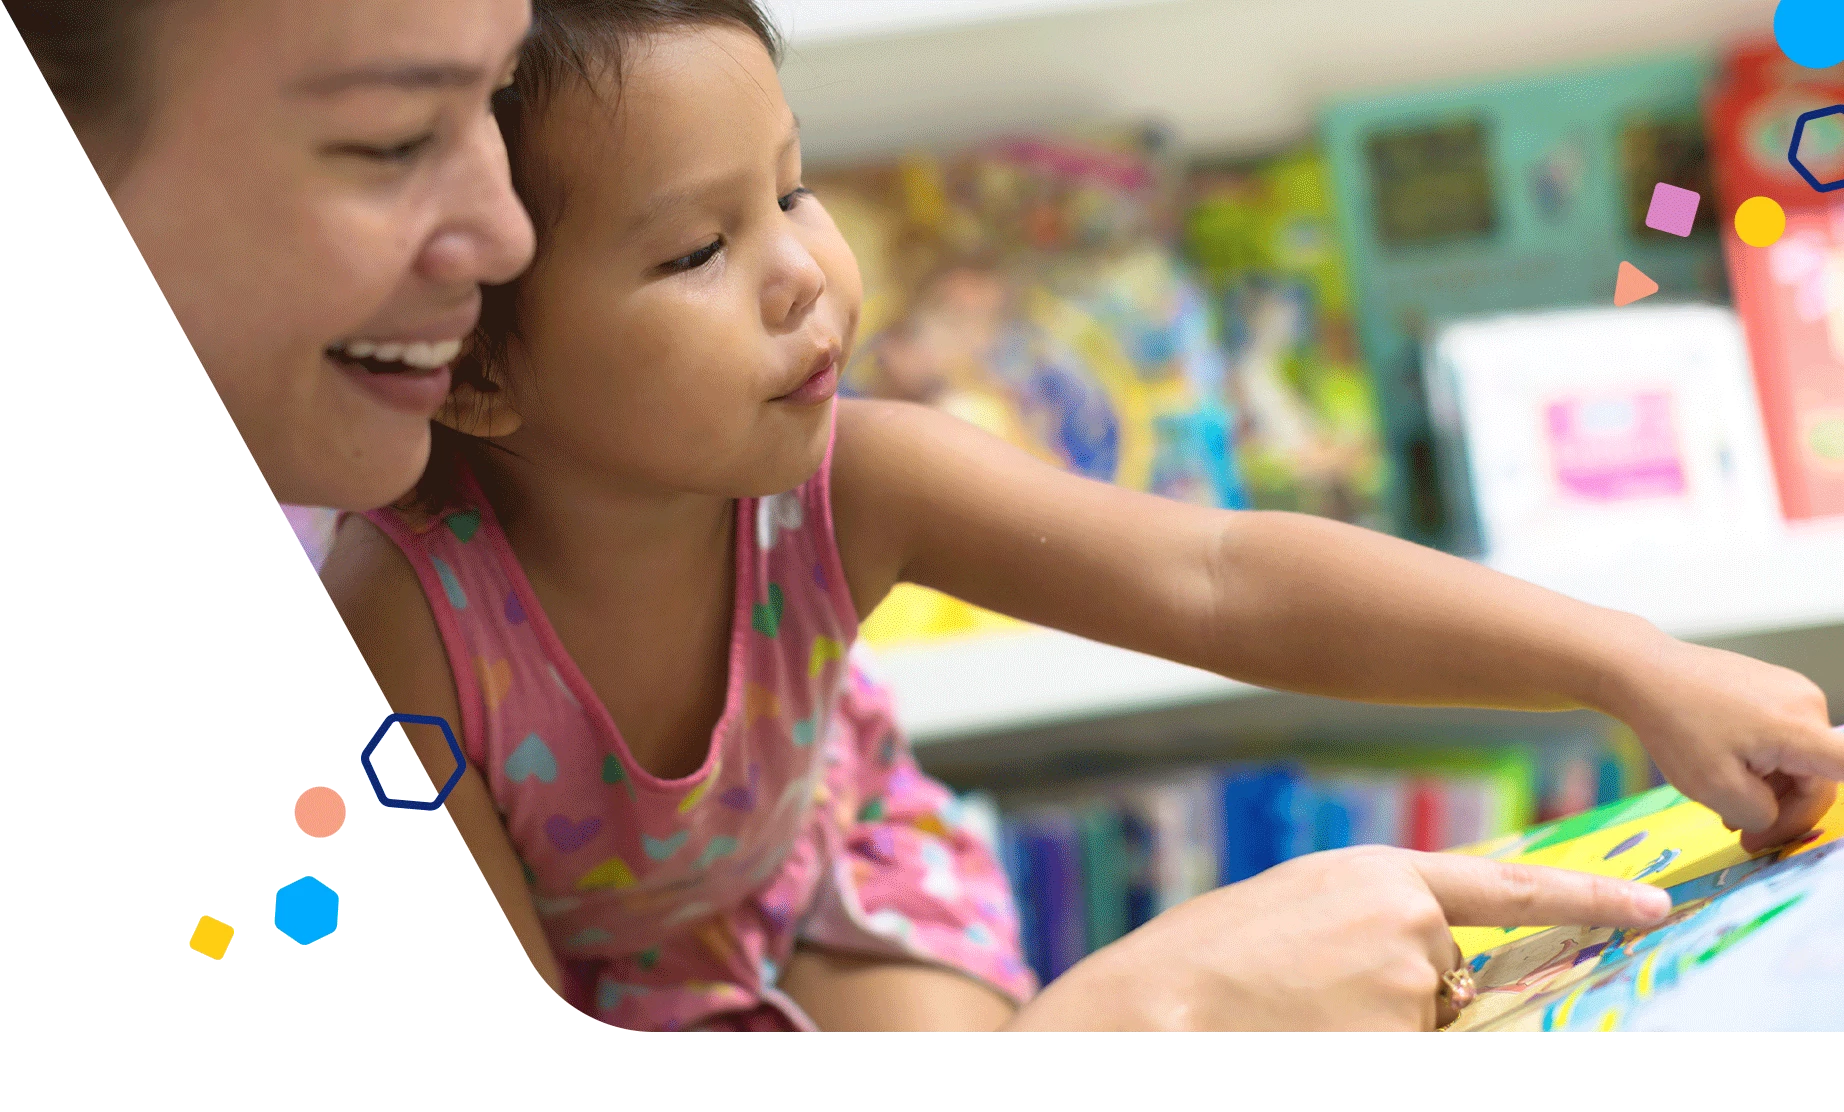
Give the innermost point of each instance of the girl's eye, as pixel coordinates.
(397, 154)
(697, 258)
(789, 200)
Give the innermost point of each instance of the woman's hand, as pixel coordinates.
(1352, 939)
(1751, 741)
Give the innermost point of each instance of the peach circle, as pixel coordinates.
(320, 812)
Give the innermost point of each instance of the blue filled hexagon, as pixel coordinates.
(306, 910)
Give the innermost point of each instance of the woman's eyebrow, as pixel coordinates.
(407, 76)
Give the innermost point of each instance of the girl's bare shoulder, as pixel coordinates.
(377, 594)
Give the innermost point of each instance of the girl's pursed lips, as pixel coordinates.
(824, 360)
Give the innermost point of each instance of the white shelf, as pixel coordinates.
(870, 77)
(1038, 678)
(807, 22)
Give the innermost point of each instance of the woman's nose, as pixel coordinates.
(487, 238)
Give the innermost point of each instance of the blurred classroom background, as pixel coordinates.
(1465, 271)
(1351, 259)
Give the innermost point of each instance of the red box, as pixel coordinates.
(1790, 296)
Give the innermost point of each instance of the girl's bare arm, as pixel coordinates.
(1304, 604)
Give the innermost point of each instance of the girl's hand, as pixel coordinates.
(1751, 741)
(1352, 939)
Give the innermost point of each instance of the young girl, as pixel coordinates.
(640, 554)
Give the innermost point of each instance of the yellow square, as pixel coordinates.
(211, 938)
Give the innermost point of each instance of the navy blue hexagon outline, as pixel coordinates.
(1792, 152)
(454, 747)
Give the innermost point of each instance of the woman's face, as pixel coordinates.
(320, 190)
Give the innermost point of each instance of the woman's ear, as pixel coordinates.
(480, 409)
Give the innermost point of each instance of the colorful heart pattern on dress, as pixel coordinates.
(531, 758)
(569, 836)
(609, 994)
(451, 583)
(588, 936)
(495, 680)
(718, 848)
(556, 905)
(775, 514)
(612, 873)
(463, 524)
(807, 729)
(690, 912)
(766, 616)
(825, 650)
(697, 794)
(930, 823)
(760, 702)
(659, 849)
(514, 609)
(742, 798)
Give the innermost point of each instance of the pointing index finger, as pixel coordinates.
(1477, 892)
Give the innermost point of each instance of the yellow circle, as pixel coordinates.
(1760, 221)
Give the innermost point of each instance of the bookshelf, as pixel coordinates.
(868, 77)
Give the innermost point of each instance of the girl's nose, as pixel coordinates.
(796, 286)
(487, 236)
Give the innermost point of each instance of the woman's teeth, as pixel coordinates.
(418, 355)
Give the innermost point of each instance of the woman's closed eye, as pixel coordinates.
(394, 154)
(787, 201)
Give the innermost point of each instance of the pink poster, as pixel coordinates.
(1616, 448)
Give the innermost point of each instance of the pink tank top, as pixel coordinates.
(675, 900)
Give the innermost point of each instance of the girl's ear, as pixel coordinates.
(480, 409)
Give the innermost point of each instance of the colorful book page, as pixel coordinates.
(1571, 980)
(1662, 846)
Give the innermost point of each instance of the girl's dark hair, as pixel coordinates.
(571, 41)
(90, 52)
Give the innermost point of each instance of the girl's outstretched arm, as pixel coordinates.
(375, 591)
(1310, 605)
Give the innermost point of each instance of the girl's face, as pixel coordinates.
(315, 175)
(684, 327)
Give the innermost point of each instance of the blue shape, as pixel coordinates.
(306, 910)
(454, 747)
(807, 729)
(1799, 133)
(1810, 32)
(1658, 864)
(451, 584)
(533, 758)
(1624, 846)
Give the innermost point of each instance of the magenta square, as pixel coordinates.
(1673, 210)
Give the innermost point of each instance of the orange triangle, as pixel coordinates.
(1633, 285)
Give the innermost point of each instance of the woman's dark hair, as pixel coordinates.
(571, 41)
(90, 52)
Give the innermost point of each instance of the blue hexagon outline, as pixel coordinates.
(1792, 153)
(454, 747)
(322, 886)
